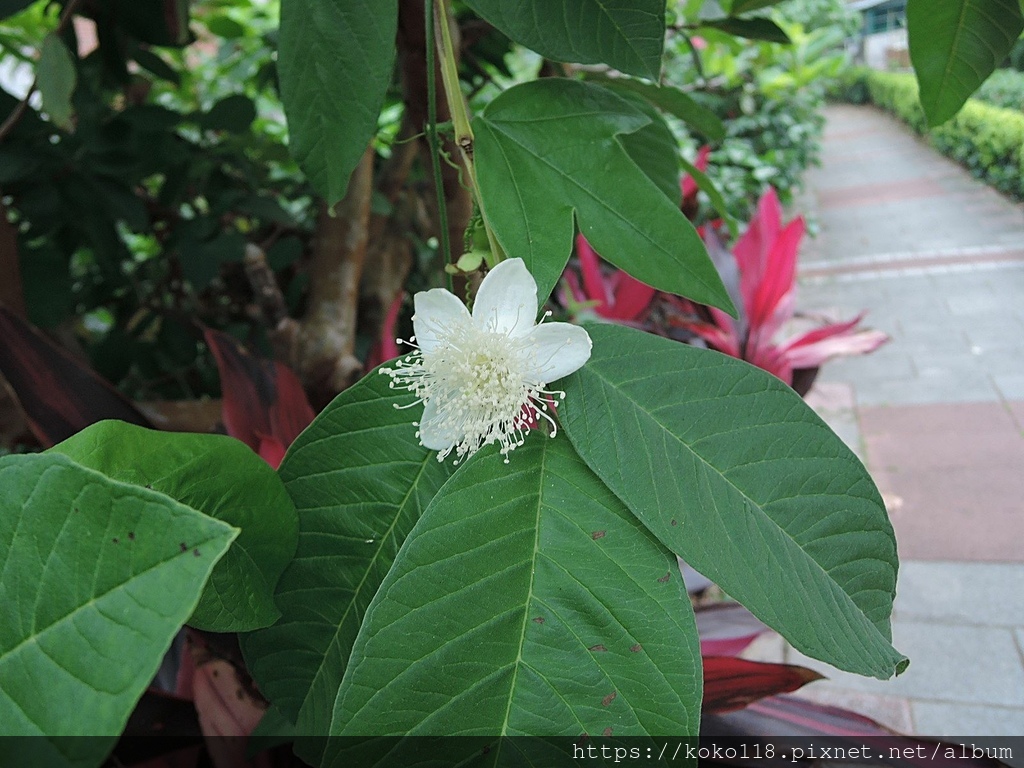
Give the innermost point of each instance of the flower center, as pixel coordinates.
(478, 387)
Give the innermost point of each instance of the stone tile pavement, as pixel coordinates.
(937, 260)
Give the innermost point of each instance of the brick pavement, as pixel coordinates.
(937, 259)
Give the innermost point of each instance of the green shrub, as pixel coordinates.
(1005, 88)
(988, 140)
(850, 86)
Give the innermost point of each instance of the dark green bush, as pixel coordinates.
(988, 140)
(851, 86)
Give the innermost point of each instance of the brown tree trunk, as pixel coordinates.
(326, 358)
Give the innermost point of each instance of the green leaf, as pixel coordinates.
(654, 149)
(335, 64)
(233, 114)
(94, 588)
(731, 470)
(532, 191)
(740, 7)
(223, 478)
(956, 45)
(675, 102)
(752, 29)
(201, 261)
(526, 601)
(359, 479)
(46, 283)
(273, 730)
(707, 186)
(10, 7)
(156, 66)
(628, 36)
(18, 164)
(56, 77)
(224, 26)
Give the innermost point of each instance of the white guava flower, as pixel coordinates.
(482, 378)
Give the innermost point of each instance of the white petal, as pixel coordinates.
(559, 349)
(431, 435)
(435, 311)
(507, 299)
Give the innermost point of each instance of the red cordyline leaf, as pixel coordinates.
(811, 349)
(778, 276)
(723, 339)
(386, 346)
(60, 395)
(766, 258)
(731, 683)
(264, 404)
(687, 185)
(727, 629)
(619, 297)
(227, 712)
(752, 248)
(773, 720)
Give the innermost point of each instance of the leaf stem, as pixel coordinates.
(434, 143)
(460, 115)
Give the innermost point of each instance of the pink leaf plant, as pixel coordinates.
(616, 296)
(761, 273)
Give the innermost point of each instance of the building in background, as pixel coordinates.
(882, 43)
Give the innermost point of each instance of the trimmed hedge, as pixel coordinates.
(988, 140)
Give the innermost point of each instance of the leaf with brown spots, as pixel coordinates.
(220, 477)
(771, 504)
(108, 633)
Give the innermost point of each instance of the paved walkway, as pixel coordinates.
(937, 259)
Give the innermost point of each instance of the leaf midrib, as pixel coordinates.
(529, 598)
(764, 515)
(951, 59)
(356, 591)
(610, 209)
(95, 599)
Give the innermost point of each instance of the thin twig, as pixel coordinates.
(19, 111)
(696, 58)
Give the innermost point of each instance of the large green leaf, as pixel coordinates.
(526, 601)
(654, 149)
(223, 478)
(56, 76)
(549, 150)
(731, 470)
(674, 101)
(359, 479)
(96, 578)
(628, 35)
(955, 45)
(335, 64)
